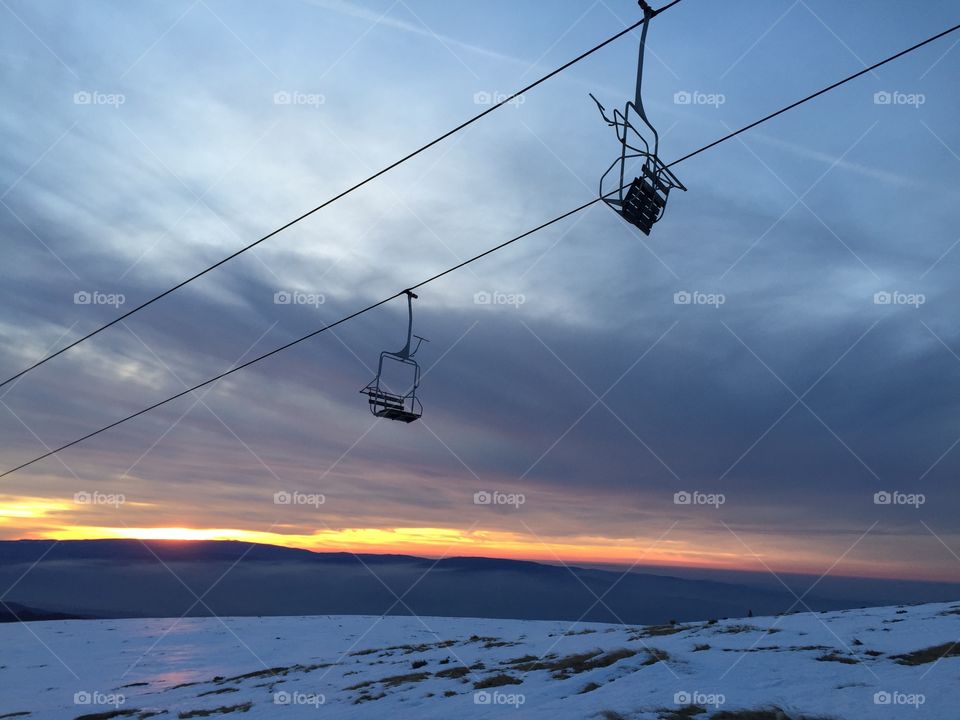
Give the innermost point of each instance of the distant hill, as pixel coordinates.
(129, 578)
(15, 612)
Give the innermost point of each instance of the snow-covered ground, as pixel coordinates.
(830, 665)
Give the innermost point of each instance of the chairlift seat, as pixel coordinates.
(390, 406)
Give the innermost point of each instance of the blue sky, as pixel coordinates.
(143, 142)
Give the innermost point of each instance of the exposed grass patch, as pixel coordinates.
(563, 667)
(130, 712)
(224, 710)
(418, 664)
(522, 659)
(453, 673)
(701, 647)
(654, 656)
(498, 680)
(108, 714)
(735, 629)
(660, 631)
(589, 687)
(837, 658)
(392, 680)
(771, 713)
(407, 649)
(928, 655)
(367, 697)
(688, 711)
(266, 672)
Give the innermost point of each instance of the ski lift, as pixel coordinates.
(642, 201)
(398, 403)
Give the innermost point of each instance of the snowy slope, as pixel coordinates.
(828, 665)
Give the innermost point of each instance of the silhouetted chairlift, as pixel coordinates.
(390, 404)
(643, 201)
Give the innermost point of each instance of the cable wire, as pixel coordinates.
(449, 270)
(340, 195)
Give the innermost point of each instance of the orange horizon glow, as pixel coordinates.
(34, 518)
(452, 542)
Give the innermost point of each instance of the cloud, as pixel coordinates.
(512, 402)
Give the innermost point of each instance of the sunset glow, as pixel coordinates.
(435, 542)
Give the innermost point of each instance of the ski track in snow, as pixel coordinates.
(823, 665)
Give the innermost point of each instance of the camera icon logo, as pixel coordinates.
(482, 697)
(682, 98)
(281, 98)
(82, 298)
(482, 98)
(281, 698)
(882, 97)
(82, 698)
(682, 498)
(82, 498)
(82, 98)
(882, 698)
(882, 498)
(482, 497)
(882, 298)
(282, 297)
(682, 698)
(482, 298)
(682, 297)
(282, 497)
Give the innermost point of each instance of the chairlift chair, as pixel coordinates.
(391, 403)
(643, 200)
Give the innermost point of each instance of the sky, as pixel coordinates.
(817, 365)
